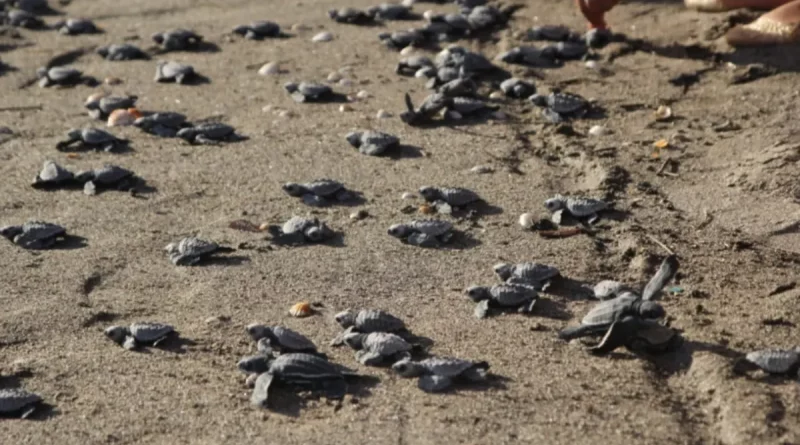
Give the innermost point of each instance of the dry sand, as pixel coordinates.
(722, 212)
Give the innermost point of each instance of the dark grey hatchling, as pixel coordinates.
(409, 66)
(459, 87)
(59, 75)
(106, 177)
(168, 71)
(372, 143)
(517, 88)
(211, 133)
(430, 107)
(378, 348)
(638, 336)
(177, 39)
(455, 196)
(555, 33)
(300, 230)
(32, 6)
(520, 297)
(398, 40)
(280, 339)
(52, 176)
(22, 19)
(258, 30)
(424, 232)
(192, 250)
(566, 50)
(577, 206)
(605, 313)
(164, 124)
(139, 334)
(124, 51)
(351, 16)
(390, 11)
(303, 371)
(468, 106)
(17, 402)
(319, 192)
(308, 91)
(535, 274)
(77, 26)
(366, 321)
(34, 235)
(101, 107)
(437, 374)
(91, 138)
(530, 56)
(558, 107)
(776, 361)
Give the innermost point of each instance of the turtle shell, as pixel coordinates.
(301, 367)
(298, 224)
(323, 187)
(193, 246)
(16, 399)
(607, 311)
(375, 320)
(385, 343)
(124, 51)
(313, 90)
(775, 361)
(511, 295)
(265, 28)
(376, 142)
(389, 11)
(63, 74)
(172, 70)
(96, 136)
(446, 366)
(532, 272)
(110, 174)
(168, 119)
(566, 103)
(468, 105)
(455, 196)
(580, 206)
(111, 103)
(147, 332)
(291, 340)
(38, 234)
(652, 335)
(432, 227)
(555, 33)
(214, 130)
(517, 88)
(570, 50)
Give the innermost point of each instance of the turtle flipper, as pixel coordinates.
(482, 309)
(664, 274)
(574, 332)
(334, 389)
(260, 396)
(369, 358)
(202, 140)
(434, 383)
(527, 308)
(130, 343)
(616, 336)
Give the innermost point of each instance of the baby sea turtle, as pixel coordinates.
(34, 235)
(465, 61)
(139, 334)
(577, 207)
(106, 177)
(502, 296)
(466, 106)
(373, 143)
(460, 87)
(454, 196)
(300, 230)
(168, 71)
(22, 19)
(258, 30)
(423, 233)
(367, 321)
(319, 192)
(400, 39)
(437, 374)
(207, 134)
(59, 75)
(530, 56)
(101, 107)
(566, 50)
(555, 33)
(18, 402)
(192, 250)
(280, 338)
(76, 26)
(124, 51)
(53, 176)
(91, 137)
(377, 348)
(454, 24)
(560, 106)
(431, 106)
(352, 16)
(776, 361)
(177, 39)
(32, 6)
(308, 91)
(517, 88)
(535, 274)
(410, 65)
(638, 336)
(390, 11)
(304, 371)
(164, 124)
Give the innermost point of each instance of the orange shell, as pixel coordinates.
(661, 143)
(302, 309)
(135, 112)
(120, 117)
(425, 209)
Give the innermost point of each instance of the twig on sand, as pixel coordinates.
(561, 233)
(22, 108)
(663, 246)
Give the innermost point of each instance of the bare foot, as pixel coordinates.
(729, 5)
(777, 27)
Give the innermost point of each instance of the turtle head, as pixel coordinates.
(241, 29)
(291, 87)
(354, 339)
(10, 232)
(102, 51)
(252, 364)
(555, 204)
(42, 72)
(503, 270)
(429, 193)
(399, 230)
(384, 36)
(258, 331)
(477, 293)
(317, 233)
(158, 38)
(345, 318)
(187, 134)
(117, 333)
(407, 368)
(354, 138)
(538, 100)
(294, 189)
(651, 310)
(333, 14)
(75, 134)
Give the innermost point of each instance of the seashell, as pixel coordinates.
(302, 309)
(285, 114)
(345, 82)
(481, 169)
(263, 227)
(663, 113)
(300, 27)
(407, 51)
(359, 215)
(496, 95)
(269, 69)
(661, 143)
(598, 130)
(96, 96)
(324, 36)
(112, 81)
(526, 220)
(383, 114)
(334, 77)
(408, 195)
(345, 108)
(363, 94)
(120, 118)
(425, 209)
(73, 156)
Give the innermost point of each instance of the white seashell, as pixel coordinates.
(334, 77)
(363, 94)
(266, 108)
(345, 108)
(663, 113)
(526, 220)
(383, 114)
(481, 169)
(598, 130)
(285, 114)
(496, 95)
(269, 69)
(300, 27)
(591, 64)
(407, 51)
(408, 2)
(346, 82)
(408, 195)
(324, 36)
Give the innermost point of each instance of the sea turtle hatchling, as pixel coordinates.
(169, 71)
(410, 65)
(558, 106)
(776, 361)
(319, 192)
(366, 321)
(279, 338)
(459, 87)
(52, 175)
(192, 250)
(454, 196)
(300, 230)
(530, 56)
(390, 11)
(124, 51)
(377, 348)
(91, 137)
(177, 39)
(60, 75)
(163, 124)
(351, 16)
(101, 107)
(139, 334)
(638, 336)
(502, 296)
(555, 33)
(578, 207)
(211, 133)
(34, 235)
(106, 177)
(258, 30)
(32, 6)
(424, 232)
(22, 19)
(566, 50)
(517, 88)
(535, 274)
(308, 91)
(398, 40)
(372, 143)
(18, 402)
(431, 106)
(76, 26)
(438, 374)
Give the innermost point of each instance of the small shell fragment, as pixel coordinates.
(383, 114)
(496, 95)
(363, 94)
(408, 195)
(407, 51)
(112, 81)
(324, 36)
(345, 108)
(663, 113)
(119, 118)
(426, 209)
(661, 143)
(269, 69)
(334, 77)
(345, 82)
(598, 130)
(302, 309)
(526, 220)
(359, 215)
(481, 169)
(263, 227)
